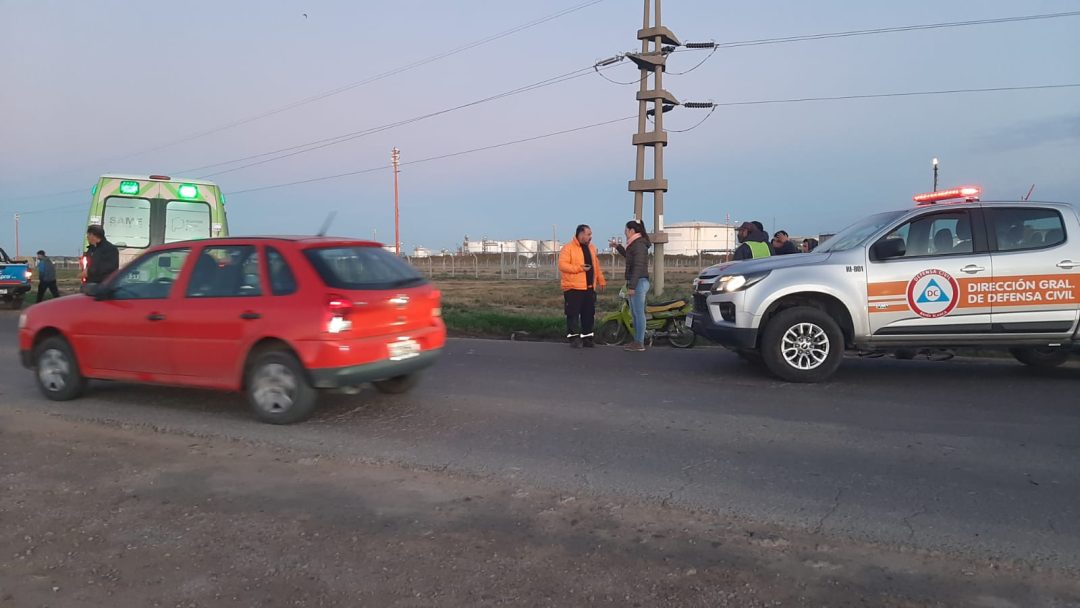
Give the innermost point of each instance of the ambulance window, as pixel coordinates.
(936, 234)
(185, 220)
(127, 221)
(282, 281)
(1026, 229)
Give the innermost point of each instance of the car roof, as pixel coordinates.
(304, 240)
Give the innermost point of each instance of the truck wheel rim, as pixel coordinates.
(53, 370)
(805, 346)
(274, 388)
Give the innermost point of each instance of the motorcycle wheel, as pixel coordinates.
(679, 335)
(612, 333)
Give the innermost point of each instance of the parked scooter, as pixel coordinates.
(664, 320)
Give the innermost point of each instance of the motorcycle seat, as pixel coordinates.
(665, 306)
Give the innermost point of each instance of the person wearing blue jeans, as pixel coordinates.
(636, 253)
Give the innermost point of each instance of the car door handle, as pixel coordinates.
(155, 316)
(972, 269)
(250, 316)
(1067, 264)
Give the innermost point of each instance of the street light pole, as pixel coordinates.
(16, 235)
(935, 174)
(395, 156)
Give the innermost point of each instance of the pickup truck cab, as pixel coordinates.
(14, 280)
(950, 272)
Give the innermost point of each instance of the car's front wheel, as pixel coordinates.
(278, 389)
(802, 344)
(57, 371)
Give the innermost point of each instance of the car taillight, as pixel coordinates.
(28, 275)
(338, 311)
(436, 301)
(82, 266)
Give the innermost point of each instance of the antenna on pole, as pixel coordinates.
(1030, 190)
(326, 224)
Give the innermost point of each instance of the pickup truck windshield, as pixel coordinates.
(857, 233)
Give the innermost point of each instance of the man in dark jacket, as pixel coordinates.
(105, 259)
(782, 245)
(755, 243)
(46, 276)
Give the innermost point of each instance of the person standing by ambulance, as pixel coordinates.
(581, 278)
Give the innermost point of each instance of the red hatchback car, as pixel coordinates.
(274, 317)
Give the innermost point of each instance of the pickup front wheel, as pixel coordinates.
(802, 344)
(1042, 357)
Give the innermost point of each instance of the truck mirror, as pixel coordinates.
(889, 248)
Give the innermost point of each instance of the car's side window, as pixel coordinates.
(150, 278)
(1026, 228)
(282, 280)
(936, 234)
(225, 272)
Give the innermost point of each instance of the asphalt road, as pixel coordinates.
(976, 458)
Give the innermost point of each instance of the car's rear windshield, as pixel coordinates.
(362, 268)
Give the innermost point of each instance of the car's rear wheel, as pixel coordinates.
(57, 371)
(398, 385)
(802, 344)
(1042, 357)
(278, 389)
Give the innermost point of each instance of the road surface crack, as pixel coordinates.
(835, 506)
(907, 522)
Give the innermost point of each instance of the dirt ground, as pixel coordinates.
(100, 515)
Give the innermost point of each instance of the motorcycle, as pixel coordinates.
(664, 320)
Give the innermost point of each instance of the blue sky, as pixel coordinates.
(87, 83)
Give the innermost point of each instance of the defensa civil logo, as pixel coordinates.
(933, 293)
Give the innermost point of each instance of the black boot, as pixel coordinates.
(575, 340)
(587, 341)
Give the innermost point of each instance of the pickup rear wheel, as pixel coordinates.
(802, 344)
(278, 389)
(57, 371)
(1042, 357)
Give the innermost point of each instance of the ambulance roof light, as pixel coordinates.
(163, 178)
(964, 193)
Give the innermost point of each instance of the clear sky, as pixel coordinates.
(87, 84)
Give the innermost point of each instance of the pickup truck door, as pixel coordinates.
(921, 293)
(1035, 289)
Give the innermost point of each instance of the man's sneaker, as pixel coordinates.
(635, 347)
(575, 341)
(587, 342)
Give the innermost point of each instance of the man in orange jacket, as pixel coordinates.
(581, 279)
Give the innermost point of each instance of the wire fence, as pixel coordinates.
(537, 267)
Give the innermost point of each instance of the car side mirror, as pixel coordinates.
(889, 248)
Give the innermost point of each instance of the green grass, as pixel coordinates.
(480, 322)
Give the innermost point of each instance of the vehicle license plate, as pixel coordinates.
(403, 349)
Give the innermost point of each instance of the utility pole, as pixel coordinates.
(651, 62)
(395, 156)
(935, 174)
(16, 235)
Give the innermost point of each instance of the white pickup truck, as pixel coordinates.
(942, 274)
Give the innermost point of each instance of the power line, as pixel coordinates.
(435, 158)
(359, 83)
(711, 105)
(901, 94)
(889, 30)
(338, 139)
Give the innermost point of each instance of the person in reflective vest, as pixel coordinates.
(755, 243)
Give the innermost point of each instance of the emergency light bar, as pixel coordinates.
(967, 193)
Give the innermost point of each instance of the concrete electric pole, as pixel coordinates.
(395, 157)
(652, 61)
